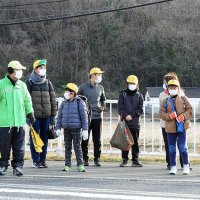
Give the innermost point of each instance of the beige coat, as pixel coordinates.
(163, 96)
(182, 107)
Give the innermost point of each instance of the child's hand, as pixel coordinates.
(85, 134)
(180, 118)
(58, 132)
(173, 115)
(128, 118)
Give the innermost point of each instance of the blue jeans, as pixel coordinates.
(41, 127)
(181, 142)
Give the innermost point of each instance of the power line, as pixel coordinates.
(30, 4)
(51, 18)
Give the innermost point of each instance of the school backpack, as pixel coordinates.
(88, 109)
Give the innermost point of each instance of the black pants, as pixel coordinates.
(95, 127)
(135, 146)
(14, 138)
(75, 135)
(167, 148)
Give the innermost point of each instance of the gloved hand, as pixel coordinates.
(180, 118)
(52, 120)
(173, 115)
(85, 134)
(58, 132)
(30, 119)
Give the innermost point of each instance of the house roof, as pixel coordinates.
(191, 92)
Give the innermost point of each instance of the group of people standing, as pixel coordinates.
(34, 103)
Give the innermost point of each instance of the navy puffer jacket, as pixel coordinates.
(72, 114)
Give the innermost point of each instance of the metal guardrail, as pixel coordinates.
(151, 141)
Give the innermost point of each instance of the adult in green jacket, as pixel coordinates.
(16, 105)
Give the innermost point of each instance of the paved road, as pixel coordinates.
(107, 182)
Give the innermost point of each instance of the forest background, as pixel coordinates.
(146, 41)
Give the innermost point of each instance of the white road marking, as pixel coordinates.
(90, 193)
(119, 178)
(83, 194)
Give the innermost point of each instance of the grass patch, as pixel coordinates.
(52, 156)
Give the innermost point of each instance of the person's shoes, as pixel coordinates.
(67, 169)
(43, 164)
(36, 165)
(168, 167)
(18, 171)
(86, 163)
(97, 164)
(173, 170)
(124, 163)
(136, 163)
(186, 169)
(189, 167)
(3, 171)
(81, 168)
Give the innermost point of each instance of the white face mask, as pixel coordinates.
(98, 79)
(42, 72)
(164, 86)
(67, 95)
(18, 74)
(132, 87)
(173, 92)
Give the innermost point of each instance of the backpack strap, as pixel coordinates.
(172, 104)
(165, 104)
(78, 103)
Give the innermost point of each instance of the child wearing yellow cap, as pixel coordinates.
(72, 117)
(176, 112)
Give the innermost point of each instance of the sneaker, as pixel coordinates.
(124, 163)
(17, 171)
(168, 167)
(186, 169)
(43, 164)
(173, 170)
(67, 169)
(97, 164)
(136, 163)
(86, 163)
(189, 167)
(36, 165)
(3, 171)
(81, 168)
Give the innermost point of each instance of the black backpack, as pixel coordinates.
(89, 111)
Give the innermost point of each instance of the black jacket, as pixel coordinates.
(43, 98)
(130, 103)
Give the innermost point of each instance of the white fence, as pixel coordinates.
(151, 141)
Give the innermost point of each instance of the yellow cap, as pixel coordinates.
(96, 70)
(16, 65)
(39, 62)
(72, 87)
(132, 79)
(173, 82)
